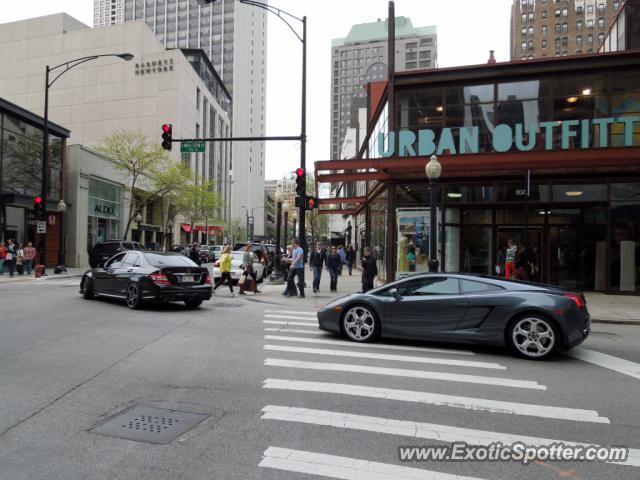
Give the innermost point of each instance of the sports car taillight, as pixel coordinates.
(207, 279)
(579, 301)
(159, 278)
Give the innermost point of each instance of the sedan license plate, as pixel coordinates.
(187, 278)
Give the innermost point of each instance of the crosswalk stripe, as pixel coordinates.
(332, 466)
(616, 364)
(280, 322)
(383, 356)
(290, 312)
(381, 346)
(291, 317)
(469, 403)
(431, 431)
(405, 373)
(296, 330)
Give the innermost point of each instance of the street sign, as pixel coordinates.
(192, 147)
(41, 226)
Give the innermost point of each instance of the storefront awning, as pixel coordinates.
(201, 228)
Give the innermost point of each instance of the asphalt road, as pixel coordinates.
(295, 401)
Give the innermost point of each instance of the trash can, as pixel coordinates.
(39, 270)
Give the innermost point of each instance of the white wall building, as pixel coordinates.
(234, 38)
(101, 96)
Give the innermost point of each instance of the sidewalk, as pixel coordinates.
(70, 273)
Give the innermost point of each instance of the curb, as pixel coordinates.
(616, 322)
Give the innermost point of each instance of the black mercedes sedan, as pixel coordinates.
(142, 277)
(533, 320)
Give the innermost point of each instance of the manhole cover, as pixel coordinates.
(148, 424)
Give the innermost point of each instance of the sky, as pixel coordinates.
(467, 30)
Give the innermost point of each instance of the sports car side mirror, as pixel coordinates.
(394, 293)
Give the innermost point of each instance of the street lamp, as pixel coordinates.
(45, 141)
(282, 15)
(138, 219)
(275, 276)
(61, 207)
(433, 169)
(285, 209)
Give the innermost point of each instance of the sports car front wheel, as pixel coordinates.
(533, 336)
(360, 324)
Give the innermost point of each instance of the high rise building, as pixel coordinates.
(233, 36)
(361, 57)
(553, 28)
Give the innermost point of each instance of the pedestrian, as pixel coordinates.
(334, 264)
(369, 270)
(3, 256)
(343, 258)
(286, 267)
(297, 268)
(411, 259)
(351, 258)
(317, 260)
(502, 256)
(247, 265)
(29, 257)
(225, 269)
(10, 257)
(20, 260)
(194, 254)
(510, 258)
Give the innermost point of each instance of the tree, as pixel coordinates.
(152, 174)
(197, 202)
(317, 223)
(237, 231)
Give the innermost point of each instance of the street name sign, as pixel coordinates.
(192, 147)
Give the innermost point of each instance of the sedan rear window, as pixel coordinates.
(159, 260)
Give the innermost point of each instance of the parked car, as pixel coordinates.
(533, 320)
(103, 251)
(144, 277)
(206, 254)
(264, 251)
(236, 268)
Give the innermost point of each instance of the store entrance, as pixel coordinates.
(530, 250)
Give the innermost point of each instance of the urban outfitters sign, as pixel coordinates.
(557, 135)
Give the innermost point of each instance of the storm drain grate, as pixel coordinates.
(148, 424)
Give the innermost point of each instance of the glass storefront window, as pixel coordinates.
(580, 193)
(516, 191)
(477, 194)
(474, 217)
(104, 210)
(476, 250)
(452, 240)
(515, 216)
(413, 239)
(625, 237)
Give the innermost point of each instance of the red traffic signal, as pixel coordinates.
(301, 187)
(299, 172)
(37, 200)
(167, 132)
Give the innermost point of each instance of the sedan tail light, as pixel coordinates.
(159, 278)
(207, 279)
(577, 298)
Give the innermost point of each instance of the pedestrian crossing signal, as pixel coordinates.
(312, 203)
(166, 136)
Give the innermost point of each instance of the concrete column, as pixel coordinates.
(627, 266)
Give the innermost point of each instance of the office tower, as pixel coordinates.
(361, 57)
(233, 36)
(553, 28)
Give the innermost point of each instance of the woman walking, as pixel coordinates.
(225, 269)
(334, 264)
(29, 257)
(247, 264)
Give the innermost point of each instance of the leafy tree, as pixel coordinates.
(152, 174)
(197, 202)
(317, 224)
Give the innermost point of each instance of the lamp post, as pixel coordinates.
(433, 169)
(62, 208)
(45, 141)
(282, 15)
(275, 276)
(138, 219)
(285, 209)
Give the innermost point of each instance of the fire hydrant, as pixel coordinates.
(39, 270)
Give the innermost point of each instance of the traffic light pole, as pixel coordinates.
(303, 141)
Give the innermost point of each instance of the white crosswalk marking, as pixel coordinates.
(299, 324)
(382, 356)
(297, 330)
(382, 346)
(404, 373)
(291, 317)
(430, 431)
(619, 365)
(312, 463)
(290, 312)
(469, 403)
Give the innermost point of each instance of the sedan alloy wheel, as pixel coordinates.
(134, 300)
(360, 324)
(533, 337)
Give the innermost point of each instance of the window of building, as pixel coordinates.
(579, 9)
(558, 12)
(544, 43)
(411, 56)
(544, 14)
(589, 23)
(411, 65)
(579, 26)
(601, 23)
(523, 57)
(616, 5)
(601, 9)
(600, 37)
(531, 17)
(523, 18)
(579, 41)
(531, 30)
(544, 29)
(530, 57)
(523, 31)
(412, 45)
(523, 46)
(557, 43)
(531, 46)
(565, 27)
(558, 28)
(197, 98)
(590, 9)
(565, 12)
(565, 42)
(590, 40)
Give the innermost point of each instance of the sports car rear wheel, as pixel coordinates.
(360, 324)
(533, 336)
(86, 288)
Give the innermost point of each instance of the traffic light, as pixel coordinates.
(301, 180)
(38, 207)
(166, 136)
(312, 203)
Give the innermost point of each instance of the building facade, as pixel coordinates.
(553, 28)
(361, 57)
(107, 95)
(233, 36)
(21, 138)
(543, 152)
